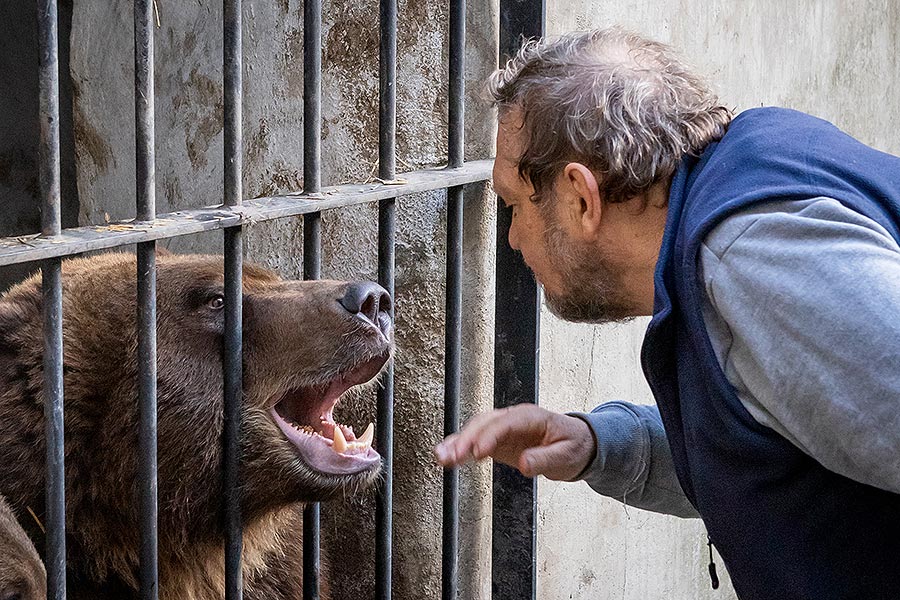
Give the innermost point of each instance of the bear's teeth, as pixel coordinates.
(368, 435)
(340, 442)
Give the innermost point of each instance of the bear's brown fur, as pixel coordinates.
(301, 349)
(22, 573)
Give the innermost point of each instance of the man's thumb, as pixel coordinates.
(550, 461)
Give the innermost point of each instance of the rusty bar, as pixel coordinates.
(51, 289)
(232, 363)
(145, 193)
(21, 249)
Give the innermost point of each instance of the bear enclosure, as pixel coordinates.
(284, 197)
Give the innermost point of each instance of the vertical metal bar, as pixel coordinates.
(311, 555)
(49, 116)
(516, 364)
(452, 365)
(387, 78)
(312, 95)
(456, 106)
(385, 433)
(233, 102)
(312, 234)
(51, 290)
(55, 560)
(232, 411)
(387, 127)
(145, 171)
(232, 365)
(453, 325)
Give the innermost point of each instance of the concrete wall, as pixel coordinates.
(837, 59)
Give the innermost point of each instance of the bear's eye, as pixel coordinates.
(217, 302)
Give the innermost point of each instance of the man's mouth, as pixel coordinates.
(306, 417)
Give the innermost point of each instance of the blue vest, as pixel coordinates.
(786, 527)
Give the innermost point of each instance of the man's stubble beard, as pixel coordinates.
(593, 290)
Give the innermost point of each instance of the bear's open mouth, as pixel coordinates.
(306, 417)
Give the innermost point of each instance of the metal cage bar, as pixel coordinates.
(145, 193)
(22, 249)
(232, 364)
(387, 224)
(312, 235)
(453, 306)
(516, 362)
(452, 365)
(52, 305)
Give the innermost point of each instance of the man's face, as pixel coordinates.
(580, 282)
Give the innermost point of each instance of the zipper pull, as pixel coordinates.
(713, 576)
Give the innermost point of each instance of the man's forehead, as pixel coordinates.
(510, 136)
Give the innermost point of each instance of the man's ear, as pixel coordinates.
(583, 194)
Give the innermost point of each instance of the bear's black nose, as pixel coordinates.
(369, 301)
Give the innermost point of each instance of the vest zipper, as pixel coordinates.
(713, 576)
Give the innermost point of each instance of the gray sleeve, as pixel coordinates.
(633, 463)
(804, 315)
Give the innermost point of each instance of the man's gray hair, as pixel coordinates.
(621, 104)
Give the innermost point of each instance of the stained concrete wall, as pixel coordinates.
(837, 59)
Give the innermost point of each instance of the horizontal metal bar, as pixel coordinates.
(15, 250)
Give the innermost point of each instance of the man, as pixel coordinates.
(766, 249)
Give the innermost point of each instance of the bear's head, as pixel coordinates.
(305, 345)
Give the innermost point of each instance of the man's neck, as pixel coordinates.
(640, 233)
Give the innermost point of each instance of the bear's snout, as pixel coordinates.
(371, 303)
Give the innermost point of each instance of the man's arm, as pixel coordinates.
(619, 449)
(633, 463)
(804, 316)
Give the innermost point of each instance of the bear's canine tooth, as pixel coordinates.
(340, 442)
(367, 436)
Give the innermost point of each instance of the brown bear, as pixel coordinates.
(22, 575)
(306, 344)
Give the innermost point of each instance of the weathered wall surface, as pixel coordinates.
(834, 58)
(189, 174)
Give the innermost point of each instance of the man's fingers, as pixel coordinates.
(481, 437)
(456, 449)
(460, 448)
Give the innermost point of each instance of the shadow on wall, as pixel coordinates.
(20, 194)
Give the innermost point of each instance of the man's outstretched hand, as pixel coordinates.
(525, 436)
